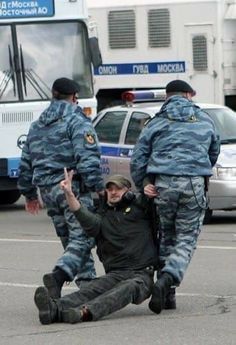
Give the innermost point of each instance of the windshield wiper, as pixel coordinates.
(22, 65)
(8, 75)
(33, 79)
(4, 82)
(12, 70)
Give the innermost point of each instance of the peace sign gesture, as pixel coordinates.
(66, 183)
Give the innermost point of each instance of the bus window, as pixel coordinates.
(42, 51)
(8, 86)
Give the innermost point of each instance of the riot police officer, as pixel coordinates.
(62, 137)
(172, 161)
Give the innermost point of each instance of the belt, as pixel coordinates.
(76, 178)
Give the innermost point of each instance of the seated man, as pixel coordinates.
(125, 246)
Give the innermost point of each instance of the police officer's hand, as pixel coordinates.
(33, 206)
(101, 193)
(150, 191)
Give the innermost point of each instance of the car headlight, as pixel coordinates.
(220, 173)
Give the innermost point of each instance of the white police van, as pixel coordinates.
(118, 129)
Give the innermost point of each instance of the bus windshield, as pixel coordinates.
(33, 55)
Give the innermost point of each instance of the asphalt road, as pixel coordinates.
(206, 300)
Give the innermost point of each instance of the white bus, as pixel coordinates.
(40, 41)
(147, 43)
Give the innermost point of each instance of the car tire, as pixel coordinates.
(208, 216)
(8, 197)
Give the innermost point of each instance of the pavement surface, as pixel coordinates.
(206, 300)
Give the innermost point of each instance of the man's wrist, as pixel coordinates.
(74, 203)
(31, 198)
(70, 195)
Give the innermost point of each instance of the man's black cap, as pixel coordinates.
(118, 180)
(65, 86)
(179, 86)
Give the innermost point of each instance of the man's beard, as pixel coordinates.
(113, 203)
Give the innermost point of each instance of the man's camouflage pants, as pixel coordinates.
(77, 259)
(110, 292)
(181, 205)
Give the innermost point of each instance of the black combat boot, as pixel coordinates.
(159, 292)
(170, 302)
(48, 311)
(54, 282)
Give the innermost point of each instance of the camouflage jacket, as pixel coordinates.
(62, 137)
(180, 140)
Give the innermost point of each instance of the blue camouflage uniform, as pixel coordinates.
(177, 149)
(63, 137)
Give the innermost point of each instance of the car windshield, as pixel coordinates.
(225, 121)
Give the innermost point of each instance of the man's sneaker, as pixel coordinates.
(46, 306)
(170, 302)
(50, 282)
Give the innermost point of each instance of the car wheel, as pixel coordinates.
(8, 197)
(208, 216)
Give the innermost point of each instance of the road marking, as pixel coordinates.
(32, 285)
(216, 247)
(26, 240)
(56, 241)
(186, 294)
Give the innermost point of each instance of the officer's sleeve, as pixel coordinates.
(139, 159)
(87, 153)
(26, 175)
(142, 201)
(214, 149)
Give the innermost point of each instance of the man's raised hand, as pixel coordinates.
(66, 183)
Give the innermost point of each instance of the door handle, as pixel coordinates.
(124, 152)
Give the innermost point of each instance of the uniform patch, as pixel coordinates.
(90, 139)
(192, 118)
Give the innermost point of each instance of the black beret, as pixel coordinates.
(179, 86)
(65, 86)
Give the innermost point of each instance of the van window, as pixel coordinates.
(109, 127)
(122, 29)
(159, 34)
(199, 44)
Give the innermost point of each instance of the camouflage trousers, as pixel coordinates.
(77, 259)
(110, 292)
(181, 205)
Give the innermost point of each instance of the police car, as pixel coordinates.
(118, 129)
